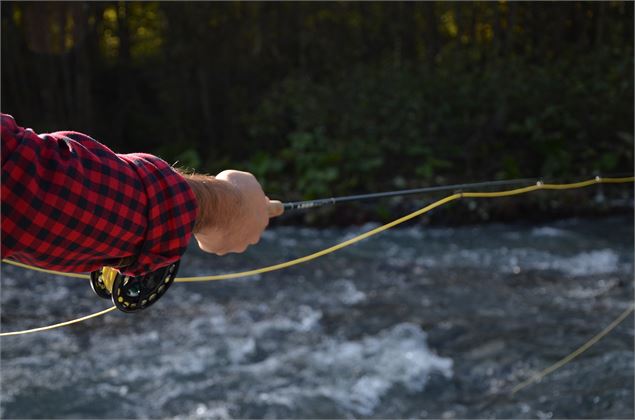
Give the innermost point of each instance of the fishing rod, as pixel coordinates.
(310, 204)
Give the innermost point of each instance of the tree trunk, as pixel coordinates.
(433, 34)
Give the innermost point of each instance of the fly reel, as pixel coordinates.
(132, 293)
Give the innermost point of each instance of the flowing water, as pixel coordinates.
(417, 322)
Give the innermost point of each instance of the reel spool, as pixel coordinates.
(132, 293)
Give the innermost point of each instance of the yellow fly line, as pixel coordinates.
(61, 324)
(42, 270)
(538, 376)
(441, 202)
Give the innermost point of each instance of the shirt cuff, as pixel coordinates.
(171, 213)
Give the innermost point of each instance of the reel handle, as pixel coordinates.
(275, 208)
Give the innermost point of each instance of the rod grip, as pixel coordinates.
(275, 208)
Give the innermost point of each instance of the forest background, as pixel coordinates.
(321, 99)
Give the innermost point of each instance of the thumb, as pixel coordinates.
(275, 208)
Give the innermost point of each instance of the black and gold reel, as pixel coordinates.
(132, 293)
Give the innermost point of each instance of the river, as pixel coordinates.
(417, 322)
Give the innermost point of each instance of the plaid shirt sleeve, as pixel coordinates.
(70, 204)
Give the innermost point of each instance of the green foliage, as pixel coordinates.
(189, 158)
(322, 99)
(372, 125)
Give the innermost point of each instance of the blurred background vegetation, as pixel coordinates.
(333, 98)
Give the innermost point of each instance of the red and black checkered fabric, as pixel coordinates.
(70, 204)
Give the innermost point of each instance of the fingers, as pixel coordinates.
(238, 250)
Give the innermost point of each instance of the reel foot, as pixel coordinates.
(98, 285)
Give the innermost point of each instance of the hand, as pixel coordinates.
(233, 211)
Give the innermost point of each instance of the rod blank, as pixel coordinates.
(309, 204)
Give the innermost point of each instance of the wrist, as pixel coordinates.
(218, 202)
